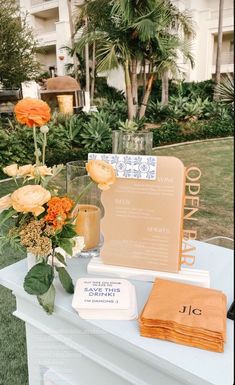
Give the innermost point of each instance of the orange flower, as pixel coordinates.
(30, 199)
(102, 173)
(67, 204)
(32, 112)
(57, 212)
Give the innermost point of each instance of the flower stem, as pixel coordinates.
(15, 180)
(44, 148)
(35, 144)
(80, 196)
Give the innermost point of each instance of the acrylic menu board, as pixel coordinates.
(143, 221)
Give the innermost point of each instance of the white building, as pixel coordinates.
(205, 14)
(50, 20)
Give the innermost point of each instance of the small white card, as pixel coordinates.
(130, 166)
(102, 293)
(105, 298)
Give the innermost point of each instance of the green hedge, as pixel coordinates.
(175, 132)
(71, 138)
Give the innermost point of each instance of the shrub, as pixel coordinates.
(71, 138)
(174, 132)
(192, 90)
(183, 108)
(103, 90)
(195, 90)
(96, 132)
(116, 111)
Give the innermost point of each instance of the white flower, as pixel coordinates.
(79, 245)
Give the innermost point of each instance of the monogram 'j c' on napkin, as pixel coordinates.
(185, 314)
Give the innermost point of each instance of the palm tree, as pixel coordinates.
(219, 46)
(72, 33)
(128, 33)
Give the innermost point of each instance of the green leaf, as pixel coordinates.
(47, 300)
(39, 279)
(60, 258)
(68, 231)
(65, 279)
(67, 245)
(6, 214)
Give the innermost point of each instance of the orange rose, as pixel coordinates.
(32, 112)
(11, 170)
(42, 171)
(30, 199)
(5, 203)
(102, 173)
(26, 170)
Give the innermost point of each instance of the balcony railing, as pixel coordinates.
(226, 58)
(39, 2)
(226, 13)
(46, 39)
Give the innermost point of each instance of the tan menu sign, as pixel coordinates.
(143, 221)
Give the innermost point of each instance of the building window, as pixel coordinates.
(231, 47)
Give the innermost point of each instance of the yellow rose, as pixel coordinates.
(5, 203)
(102, 173)
(30, 199)
(11, 170)
(42, 171)
(27, 170)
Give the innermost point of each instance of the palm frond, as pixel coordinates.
(107, 56)
(225, 90)
(145, 28)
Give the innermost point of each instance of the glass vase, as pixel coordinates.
(89, 209)
(136, 143)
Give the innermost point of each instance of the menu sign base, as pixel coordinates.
(189, 276)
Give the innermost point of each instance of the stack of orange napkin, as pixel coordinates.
(185, 314)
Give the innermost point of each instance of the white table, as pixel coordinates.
(72, 351)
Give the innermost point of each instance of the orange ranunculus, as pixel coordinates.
(26, 170)
(32, 112)
(30, 199)
(42, 171)
(57, 212)
(11, 170)
(102, 173)
(5, 203)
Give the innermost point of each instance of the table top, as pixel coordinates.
(210, 367)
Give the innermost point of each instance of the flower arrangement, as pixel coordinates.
(36, 218)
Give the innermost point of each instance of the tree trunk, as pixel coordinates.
(219, 46)
(87, 62)
(134, 85)
(146, 95)
(72, 31)
(165, 88)
(93, 73)
(144, 78)
(129, 92)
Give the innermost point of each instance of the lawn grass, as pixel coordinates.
(214, 158)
